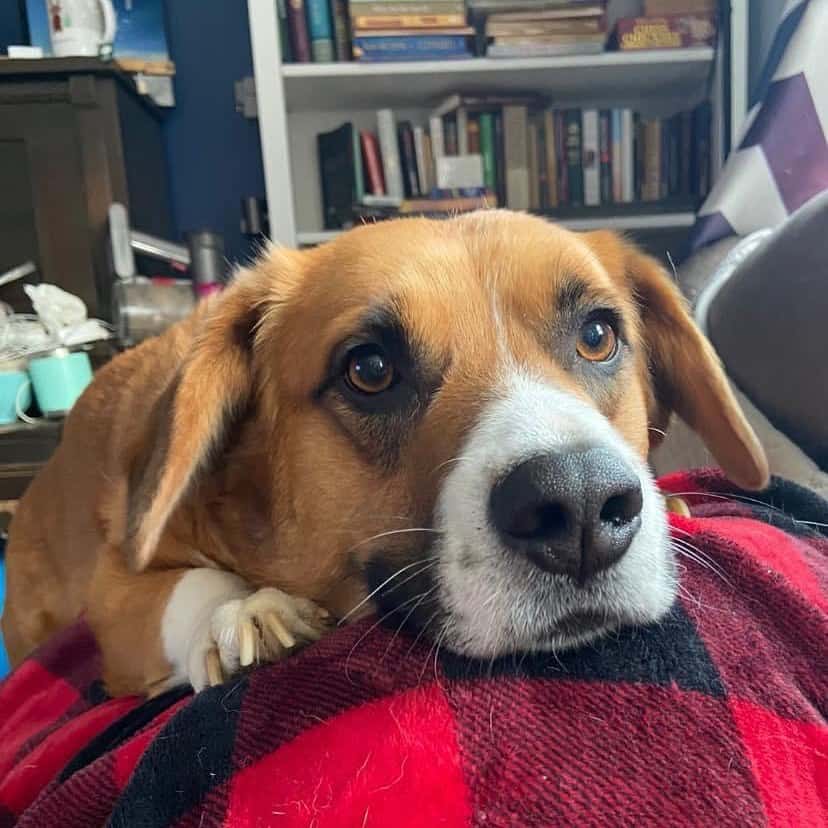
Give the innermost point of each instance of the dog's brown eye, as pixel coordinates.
(597, 341)
(369, 370)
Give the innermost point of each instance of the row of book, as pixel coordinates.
(521, 154)
(396, 30)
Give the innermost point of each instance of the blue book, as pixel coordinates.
(320, 28)
(411, 47)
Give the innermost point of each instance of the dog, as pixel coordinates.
(448, 420)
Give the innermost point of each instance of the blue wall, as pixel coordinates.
(213, 153)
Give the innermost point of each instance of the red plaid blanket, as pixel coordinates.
(717, 716)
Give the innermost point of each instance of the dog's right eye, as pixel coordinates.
(369, 370)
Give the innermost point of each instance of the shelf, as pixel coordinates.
(342, 86)
(644, 221)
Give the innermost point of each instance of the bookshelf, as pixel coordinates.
(298, 101)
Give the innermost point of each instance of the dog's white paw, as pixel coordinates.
(263, 626)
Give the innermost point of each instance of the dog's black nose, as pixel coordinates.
(571, 513)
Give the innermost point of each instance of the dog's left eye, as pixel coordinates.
(369, 370)
(597, 341)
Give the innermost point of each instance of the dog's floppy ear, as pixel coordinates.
(687, 377)
(192, 417)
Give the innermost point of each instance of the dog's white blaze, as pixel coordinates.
(498, 602)
(185, 624)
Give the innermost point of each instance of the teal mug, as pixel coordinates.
(15, 391)
(58, 379)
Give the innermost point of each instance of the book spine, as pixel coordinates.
(639, 150)
(390, 154)
(651, 181)
(473, 135)
(462, 131)
(378, 8)
(515, 148)
(574, 152)
(410, 47)
(342, 37)
(685, 152)
(419, 153)
(438, 145)
(500, 159)
(359, 173)
(543, 177)
(373, 163)
(408, 160)
(605, 141)
(284, 31)
(430, 173)
(563, 166)
(701, 123)
(320, 29)
(450, 136)
(299, 38)
(550, 144)
(627, 157)
(534, 170)
(488, 151)
(408, 21)
(617, 155)
(591, 157)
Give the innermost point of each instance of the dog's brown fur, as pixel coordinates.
(211, 445)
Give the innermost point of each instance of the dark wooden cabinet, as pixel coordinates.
(74, 137)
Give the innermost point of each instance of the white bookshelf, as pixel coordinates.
(298, 101)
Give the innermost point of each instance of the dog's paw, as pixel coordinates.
(264, 626)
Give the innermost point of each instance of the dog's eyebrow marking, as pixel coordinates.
(571, 296)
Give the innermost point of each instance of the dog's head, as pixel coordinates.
(456, 417)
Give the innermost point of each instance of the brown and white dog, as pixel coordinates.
(453, 415)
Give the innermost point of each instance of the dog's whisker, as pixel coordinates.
(423, 596)
(391, 532)
(373, 592)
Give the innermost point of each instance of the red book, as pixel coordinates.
(373, 162)
(299, 38)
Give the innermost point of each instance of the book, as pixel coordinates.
(362, 22)
(338, 177)
(549, 10)
(450, 136)
(372, 162)
(627, 157)
(410, 47)
(702, 116)
(605, 151)
(359, 168)
(651, 172)
(378, 8)
(656, 8)
(342, 36)
(536, 47)
(462, 120)
(484, 103)
(320, 29)
(408, 159)
(550, 144)
(488, 150)
(419, 152)
(496, 27)
(591, 157)
(500, 159)
(516, 156)
(460, 172)
(299, 37)
(430, 169)
(685, 152)
(560, 151)
(617, 164)
(534, 169)
(543, 182)
(673, 155)
(574, 170)
(390, 154)
(284, 31)
(677, 31)
(473, 134)
(435, 128)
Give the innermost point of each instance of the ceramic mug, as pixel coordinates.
(15, 391)
(80, 27)
(58, 379)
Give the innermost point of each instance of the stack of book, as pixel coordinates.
(313, 30)
(536, 28)
(668, 24)
(390, 30)
(519, 153)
